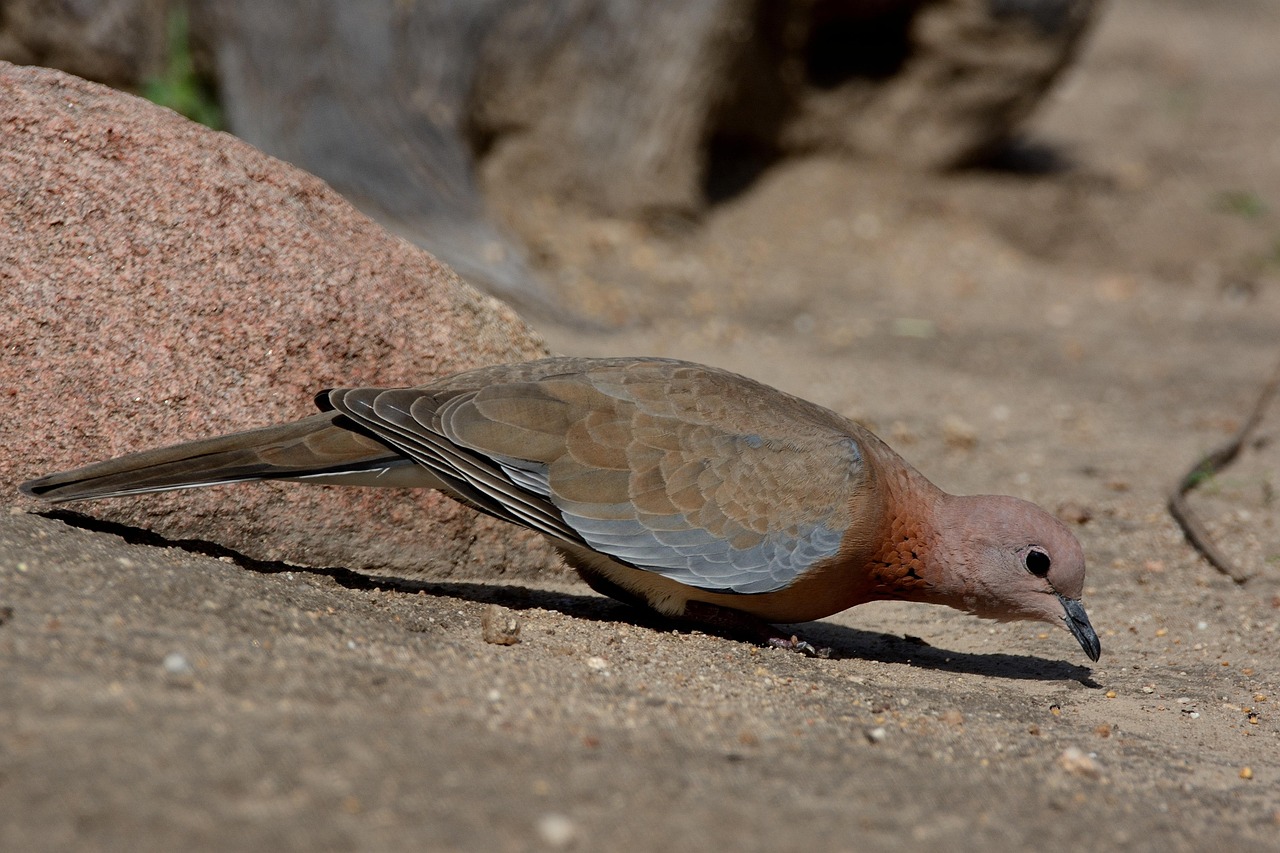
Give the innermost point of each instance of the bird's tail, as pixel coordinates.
(320, 447)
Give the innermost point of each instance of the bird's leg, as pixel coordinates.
(745, 625)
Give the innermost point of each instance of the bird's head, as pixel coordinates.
(1008, 559)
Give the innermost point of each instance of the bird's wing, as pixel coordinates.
(698, 475)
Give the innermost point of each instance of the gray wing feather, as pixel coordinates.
(708, 562)
(473, 478)
(615, 436)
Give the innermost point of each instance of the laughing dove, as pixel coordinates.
(700, 494)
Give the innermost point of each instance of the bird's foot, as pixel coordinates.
(732, 622)
(795, 644)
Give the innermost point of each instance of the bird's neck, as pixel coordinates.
(912, 562)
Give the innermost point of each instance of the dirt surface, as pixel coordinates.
(1076, 336)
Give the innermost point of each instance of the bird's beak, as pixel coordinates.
(1078, 624)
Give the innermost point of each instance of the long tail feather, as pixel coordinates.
(316, 447)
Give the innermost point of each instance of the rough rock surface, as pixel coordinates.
(159, 281)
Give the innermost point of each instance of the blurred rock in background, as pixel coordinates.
(117, 42)
(630, 108)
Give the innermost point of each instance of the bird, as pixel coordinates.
(707, 497)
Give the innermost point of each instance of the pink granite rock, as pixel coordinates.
(159, 282)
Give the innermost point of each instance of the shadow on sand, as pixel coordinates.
(844, 643)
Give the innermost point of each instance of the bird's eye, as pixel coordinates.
(1037, 562)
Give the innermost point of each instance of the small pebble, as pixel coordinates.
(557, 830)
(1075, 760)
(902, 433)
(177, 664)
(877, 735)
(178, 670)
(500, 626)
(1246, 772)
(1075, 513)
(958, 434)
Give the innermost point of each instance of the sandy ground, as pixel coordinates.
(1076, 335)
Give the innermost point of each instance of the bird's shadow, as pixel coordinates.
(844, 643)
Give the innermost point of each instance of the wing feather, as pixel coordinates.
(698, 475)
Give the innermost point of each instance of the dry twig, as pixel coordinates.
(1211, 464)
